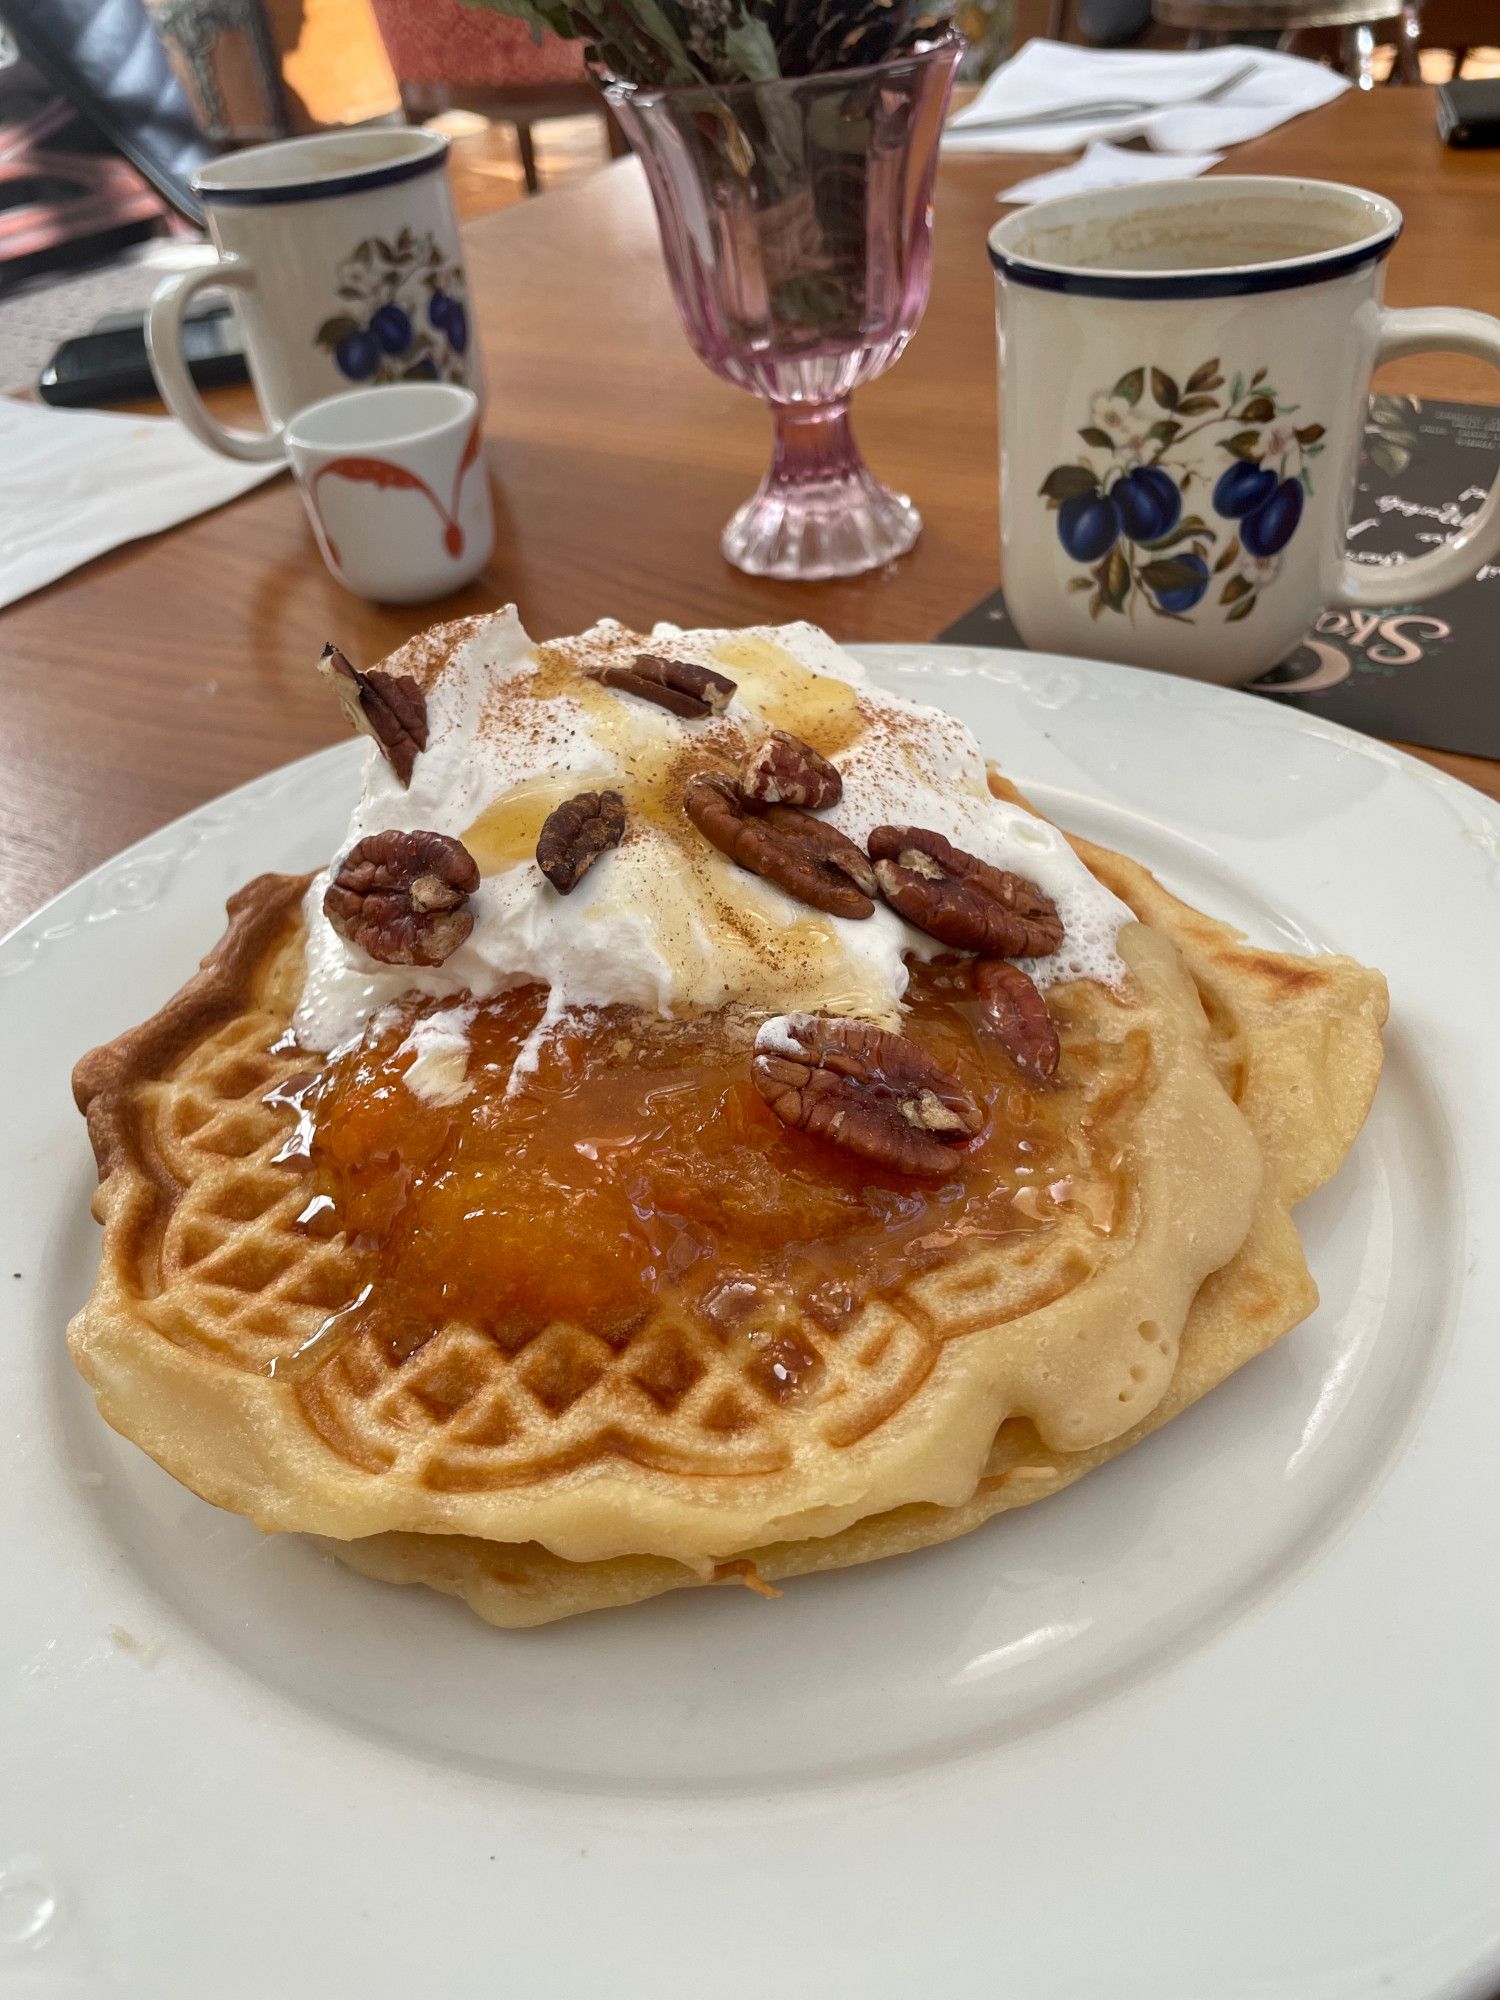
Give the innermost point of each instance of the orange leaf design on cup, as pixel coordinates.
(380, 472)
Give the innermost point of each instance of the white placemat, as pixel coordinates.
(1055, 77)
(1107, 166)
(80, 482)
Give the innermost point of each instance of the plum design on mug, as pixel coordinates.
(1125, 508)
(405, 318)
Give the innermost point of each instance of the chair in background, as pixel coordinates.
(83, 82)
(1099, 23)
(226, 55)
(64, 197)
(1356, 21)
(1459, 25)
(450, 57)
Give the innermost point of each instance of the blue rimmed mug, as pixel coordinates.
(1184, 373)
(342, 256)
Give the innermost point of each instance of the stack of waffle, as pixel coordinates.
(242, 1335)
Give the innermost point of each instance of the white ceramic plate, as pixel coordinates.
(1220, 1721)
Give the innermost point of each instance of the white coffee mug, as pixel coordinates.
(1183, 378)
(343, 257)
(394, 484)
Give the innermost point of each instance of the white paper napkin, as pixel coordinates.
(1051, 76)
(1107, 166)
(79, 482)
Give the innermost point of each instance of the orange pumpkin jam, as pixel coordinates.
(636, 1165)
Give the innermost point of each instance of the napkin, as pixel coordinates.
(1107, 166)
(79, 482)
(1051, 76)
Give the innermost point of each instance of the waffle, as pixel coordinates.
(1296, 1042)
(227, 1338)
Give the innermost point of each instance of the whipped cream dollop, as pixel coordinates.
(665, 921)
(439, 1047)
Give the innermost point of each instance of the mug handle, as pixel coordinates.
(1450, 330)
(174, 379)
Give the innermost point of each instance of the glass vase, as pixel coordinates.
(796, 220)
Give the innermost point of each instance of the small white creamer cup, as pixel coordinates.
(394, 484)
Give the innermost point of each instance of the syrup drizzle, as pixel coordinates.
(639, 1172)
(297, 1094)
(336, 1331)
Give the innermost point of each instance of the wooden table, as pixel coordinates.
(170, 670)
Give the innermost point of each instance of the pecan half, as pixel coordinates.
(961, 900)
(873, 1093)
(807, 857)
(1018, 1014)
(576, 833)
(782, 770)
(680, 685)
(401, 896)
(389, 707)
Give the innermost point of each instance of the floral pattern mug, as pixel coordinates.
(341, 253)
(1183, 376)
(403, 314)
(1128, 507)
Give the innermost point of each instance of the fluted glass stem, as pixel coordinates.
(796, 220)
(819, 511)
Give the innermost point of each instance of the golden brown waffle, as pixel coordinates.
(207, 1338)
(466, 1414)
(201, 1214)
(1296, 1042)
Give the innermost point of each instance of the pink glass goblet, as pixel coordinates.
(796, 219)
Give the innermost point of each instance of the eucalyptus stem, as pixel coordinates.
(659, 43)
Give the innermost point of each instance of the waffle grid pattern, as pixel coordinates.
(242, 1278)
